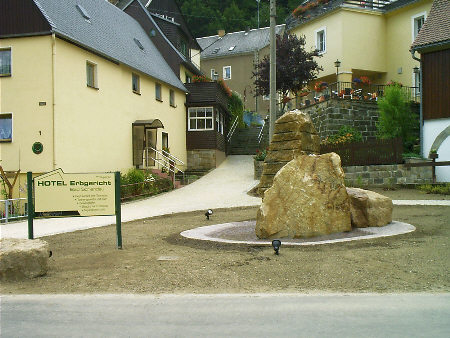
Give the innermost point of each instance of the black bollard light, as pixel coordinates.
(276, 243)
(208, 213)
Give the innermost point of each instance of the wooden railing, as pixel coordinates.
(367, 153)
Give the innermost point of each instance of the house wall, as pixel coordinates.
(366, 42)
(241, 77)
(399, 37)
(431, 130)
(82, 129)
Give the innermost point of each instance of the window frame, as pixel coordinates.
(12, 127)
(200, 118)
(158, 85)
(172, 98)
(136, 77)
(316, 34)
(414, 19)
(94, 75)
(3, 49)
(224, 72)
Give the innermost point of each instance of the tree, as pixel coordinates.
(295, 67)
(396, 119)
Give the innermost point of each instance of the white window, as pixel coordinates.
(6, 127)
(321, 40)
(135, 83)
(416, 83)
(91, 75)
(266, 97)
(5, 62)
(158, 95)
(417, 22)
(172, 98)
(221, 123)
(200, 118)
(227, 72)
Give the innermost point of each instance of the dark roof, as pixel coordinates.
(109, 32)
(236, 43)
(436, 29)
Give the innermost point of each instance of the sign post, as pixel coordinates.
(30, 205)
(118, 211)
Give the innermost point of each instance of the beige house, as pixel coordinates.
(232, 57)
(83, 88)
(369, 38)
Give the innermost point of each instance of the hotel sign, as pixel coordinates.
(89, 194)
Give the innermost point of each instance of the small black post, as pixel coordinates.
(118, 210)
(30, 205)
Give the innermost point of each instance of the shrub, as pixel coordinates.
(346, 134)
(396, 119)
(260, 155)
(443, 189)
(236, 108)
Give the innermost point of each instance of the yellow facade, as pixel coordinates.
(81, 128)
(367, 42)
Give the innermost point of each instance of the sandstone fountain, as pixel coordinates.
(304, 194)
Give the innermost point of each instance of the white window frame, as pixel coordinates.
(224, 73)
(413, 24)
(12, 127)
(138, 83)
(157, 84)
(172, 98)
(316, 35)
(6, 48)
(95, 74)
(416, 83)
(191, 109)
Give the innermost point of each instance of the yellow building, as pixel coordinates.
(369, 38)
(83, 88)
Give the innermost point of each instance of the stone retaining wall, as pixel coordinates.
(383, 175)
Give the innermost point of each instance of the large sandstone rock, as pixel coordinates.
(294, 134)
(308, 198)
(369, 209)
(23, 258)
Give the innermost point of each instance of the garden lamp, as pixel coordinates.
(337, 64)
(276, 243)
(208, 213)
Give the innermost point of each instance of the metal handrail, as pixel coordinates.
(167, 154)
(8, 203)
(261, 132)
(232, 129)
(164, 164)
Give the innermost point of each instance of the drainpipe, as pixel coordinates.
(421, 102)
(53, 97)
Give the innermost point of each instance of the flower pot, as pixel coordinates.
(258, 168)
(434, 156)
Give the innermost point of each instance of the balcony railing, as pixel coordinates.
(352, 91)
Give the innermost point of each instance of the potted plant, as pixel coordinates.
(433, 154)
(258, 163)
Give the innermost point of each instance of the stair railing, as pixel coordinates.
(260, 135)
(232, 129)
(166, 162)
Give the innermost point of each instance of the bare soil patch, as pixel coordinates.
(156, 259)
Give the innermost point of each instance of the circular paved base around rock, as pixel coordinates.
(244, 233)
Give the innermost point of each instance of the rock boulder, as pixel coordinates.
(294, 134)
(307, 198)
(369, 209)
(23, 258)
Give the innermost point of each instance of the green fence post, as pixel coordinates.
(118, 210)
(30, 204)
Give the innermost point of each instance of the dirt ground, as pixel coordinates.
(156, 259)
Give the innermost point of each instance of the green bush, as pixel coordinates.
(236, 108)
(260, 155)
(346, 134)
(143, 183)
(396, 118)
(442, 189)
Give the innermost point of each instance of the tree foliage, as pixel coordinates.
(205, 18)
(396, 118)
(294, 67)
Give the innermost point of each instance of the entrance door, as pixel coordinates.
(150, 146)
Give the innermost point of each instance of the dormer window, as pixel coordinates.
(83, 12)
(231, 48)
